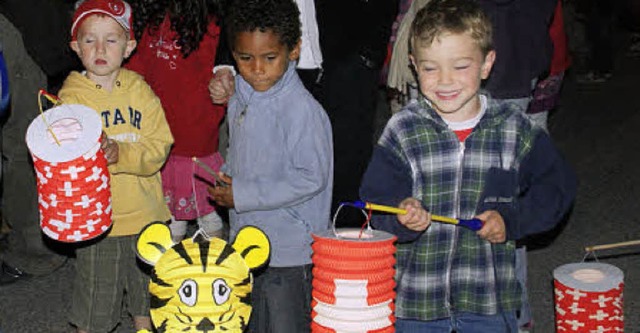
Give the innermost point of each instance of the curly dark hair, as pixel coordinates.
(282, 17)
(189, 19)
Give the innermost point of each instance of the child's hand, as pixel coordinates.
(416, 218)
(110, 148)
(221, 86)
(494, 229)
(223, 195)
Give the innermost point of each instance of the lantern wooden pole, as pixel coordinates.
(611, 246)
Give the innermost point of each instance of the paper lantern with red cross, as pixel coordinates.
(353, 281)
(74, 194)
(588, 298)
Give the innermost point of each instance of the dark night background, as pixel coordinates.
(596, 127)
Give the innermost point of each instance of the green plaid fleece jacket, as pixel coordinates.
(447, 268)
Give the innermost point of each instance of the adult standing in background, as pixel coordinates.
(523, 46)
(309, 66)
(44, 27)
(353, 38)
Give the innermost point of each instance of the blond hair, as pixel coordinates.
(451, 16)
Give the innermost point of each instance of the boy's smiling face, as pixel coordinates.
(450, 71)
(262, 58)
(102, 45)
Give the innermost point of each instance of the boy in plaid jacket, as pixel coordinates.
(457, 152)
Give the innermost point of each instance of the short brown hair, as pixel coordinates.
(451, 16)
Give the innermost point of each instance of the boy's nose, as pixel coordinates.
(446, 77)
(100, 47)
(258, 67)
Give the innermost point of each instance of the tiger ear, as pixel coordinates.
(153, 241)
(253, 245)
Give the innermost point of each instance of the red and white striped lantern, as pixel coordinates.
(74, 195)
(353, 281)
(588, 298)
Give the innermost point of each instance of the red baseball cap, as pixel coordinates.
(118, 10)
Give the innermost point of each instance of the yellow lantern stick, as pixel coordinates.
(473, 224)
(55, 102)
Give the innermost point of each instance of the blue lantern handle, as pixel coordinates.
(473, 224)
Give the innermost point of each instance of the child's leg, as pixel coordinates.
(281, 300)
(137, 286)
(472, 323)
(178, 229)
(212, 225)
(185, 185)
(98, 289)
(142, 323)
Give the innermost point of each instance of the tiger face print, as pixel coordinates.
(203, 285)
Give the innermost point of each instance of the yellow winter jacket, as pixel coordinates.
(132, 115)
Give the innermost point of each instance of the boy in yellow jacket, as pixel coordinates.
(136, 142)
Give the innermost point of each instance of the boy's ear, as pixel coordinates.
(131, 45)
(295, 53)
(413, 67)
(489, 59)
(74, 46)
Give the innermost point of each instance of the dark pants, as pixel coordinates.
(281, 300)
(311, 80)
(349, 93)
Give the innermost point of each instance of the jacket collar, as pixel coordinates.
(246, 94)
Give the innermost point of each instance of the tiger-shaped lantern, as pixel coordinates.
(199, 284)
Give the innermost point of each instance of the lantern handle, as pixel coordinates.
(55, 101)
(335, 217)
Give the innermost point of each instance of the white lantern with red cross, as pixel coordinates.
(588, 298)
(72, 178)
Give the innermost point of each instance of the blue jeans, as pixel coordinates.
(281, 300)
(462, 323)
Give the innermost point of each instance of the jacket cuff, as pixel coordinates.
(221, 67)
(508, 213)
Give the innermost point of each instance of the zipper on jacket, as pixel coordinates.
(452, 250)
